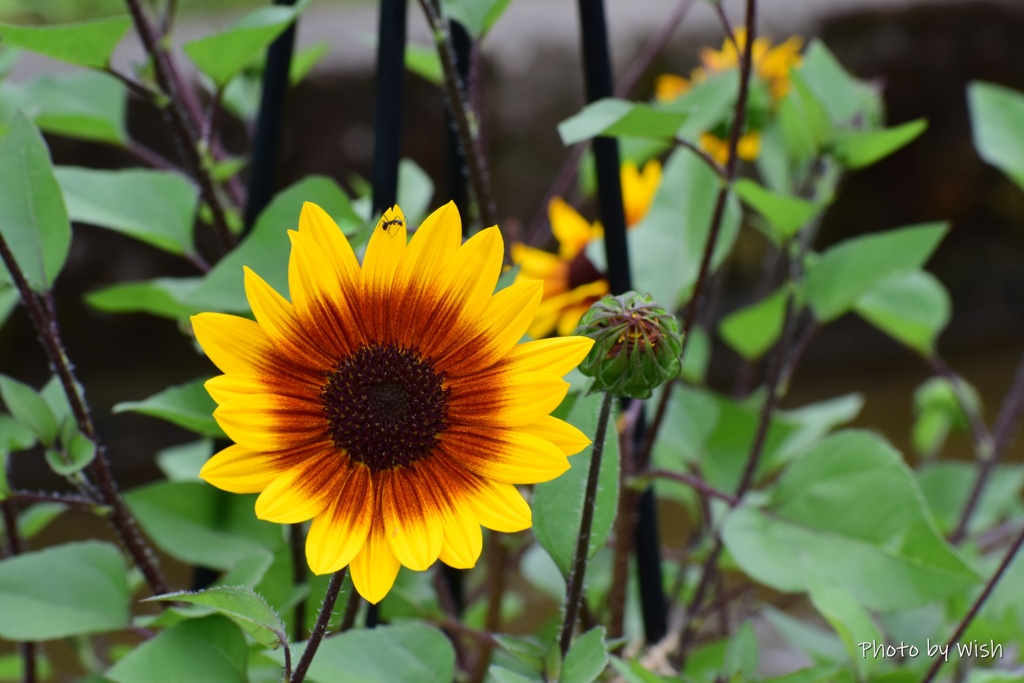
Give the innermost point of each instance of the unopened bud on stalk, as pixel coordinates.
(637, 345)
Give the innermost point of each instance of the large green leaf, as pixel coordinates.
(241, 605)
(80, 104)
(997, 121)
(621, 118)
(558, 504)
(852, 510)
(66, 590)
(206, 650)
(197, 524)
(33, 219)
(911, 307)
(89, 43)
(864, 147)
(266, 249)
(403, 653)
(165, 297)
(187, 405)
(666, 247)
(856, 266)
(222, 55)
(155, 207)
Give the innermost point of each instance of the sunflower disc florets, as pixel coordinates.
(636, 345)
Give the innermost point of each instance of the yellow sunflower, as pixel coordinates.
(772, 65)
(571, 282)
(389, 402)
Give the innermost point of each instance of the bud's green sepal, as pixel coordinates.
(636, 345)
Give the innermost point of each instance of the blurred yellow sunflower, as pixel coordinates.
(571, 282)
(772, 65)
(389, 402)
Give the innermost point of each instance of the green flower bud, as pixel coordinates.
(636, 345)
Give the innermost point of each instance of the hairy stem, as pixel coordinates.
(574, 587)
(697, 484)
(466, 121)
(48, 333)
(320, 628)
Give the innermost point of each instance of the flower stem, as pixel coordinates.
(48, 333)
(697, 484)
(978, 603)
(320, 628)
(574, 587)
(466, 122)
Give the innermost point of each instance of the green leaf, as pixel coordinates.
(621, 118)
(266, 248)
(852, 510)
(741, 655)
(32, 215)
(558, 504)
(183, 462)
(84, 105)
(635, 672)
(403, 653)
(804, 121)
(843, 97)
(415, 189)
(787, 214)
(847, 616)
(997, 118)
(864, 147)
(242, 606)
(186, 405)
(305, 59)
(207, 650)
(856, 266)
(752, 330)
(66, 590)
(664, 265)
(222, 55)
(938, 410)
(155, 207)
(477, 16)
(946, 486)
(87, 44)
(913, 308)
(74, 457)
(197, 524)
(818, 644)
(35, 518)
(165, 297)
(14, 436)
(423, 61)
(28, 407)
(586, 659)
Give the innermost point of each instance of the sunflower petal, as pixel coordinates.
(321, 303)
(500, 507)
(504, 399)
(566, 437)
(339, 533)
(375, 568)
(271, 422)
(326, 233)
(301, 492)
(277, 318)
(504, 455)
(558, 356)
(234, 344)
(412, 519)
(239, 470)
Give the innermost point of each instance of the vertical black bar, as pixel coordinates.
(598, 81)
(269, 122)
(388, 112)
(456, 174)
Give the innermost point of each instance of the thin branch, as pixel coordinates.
(465, 118)
(134, 85)
(71, 500)
(730, 34)
(976, 607)
(320, 628)
(704, 156)
(348, 619)
(183, 122)
(696, 483)
(982, 439)
(574, 588)
(1006, 425)
(625, 521)
(149, 157)
(48, 333)
(735, 130)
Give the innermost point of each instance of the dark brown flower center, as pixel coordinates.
(385, 406)
(582, 271)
